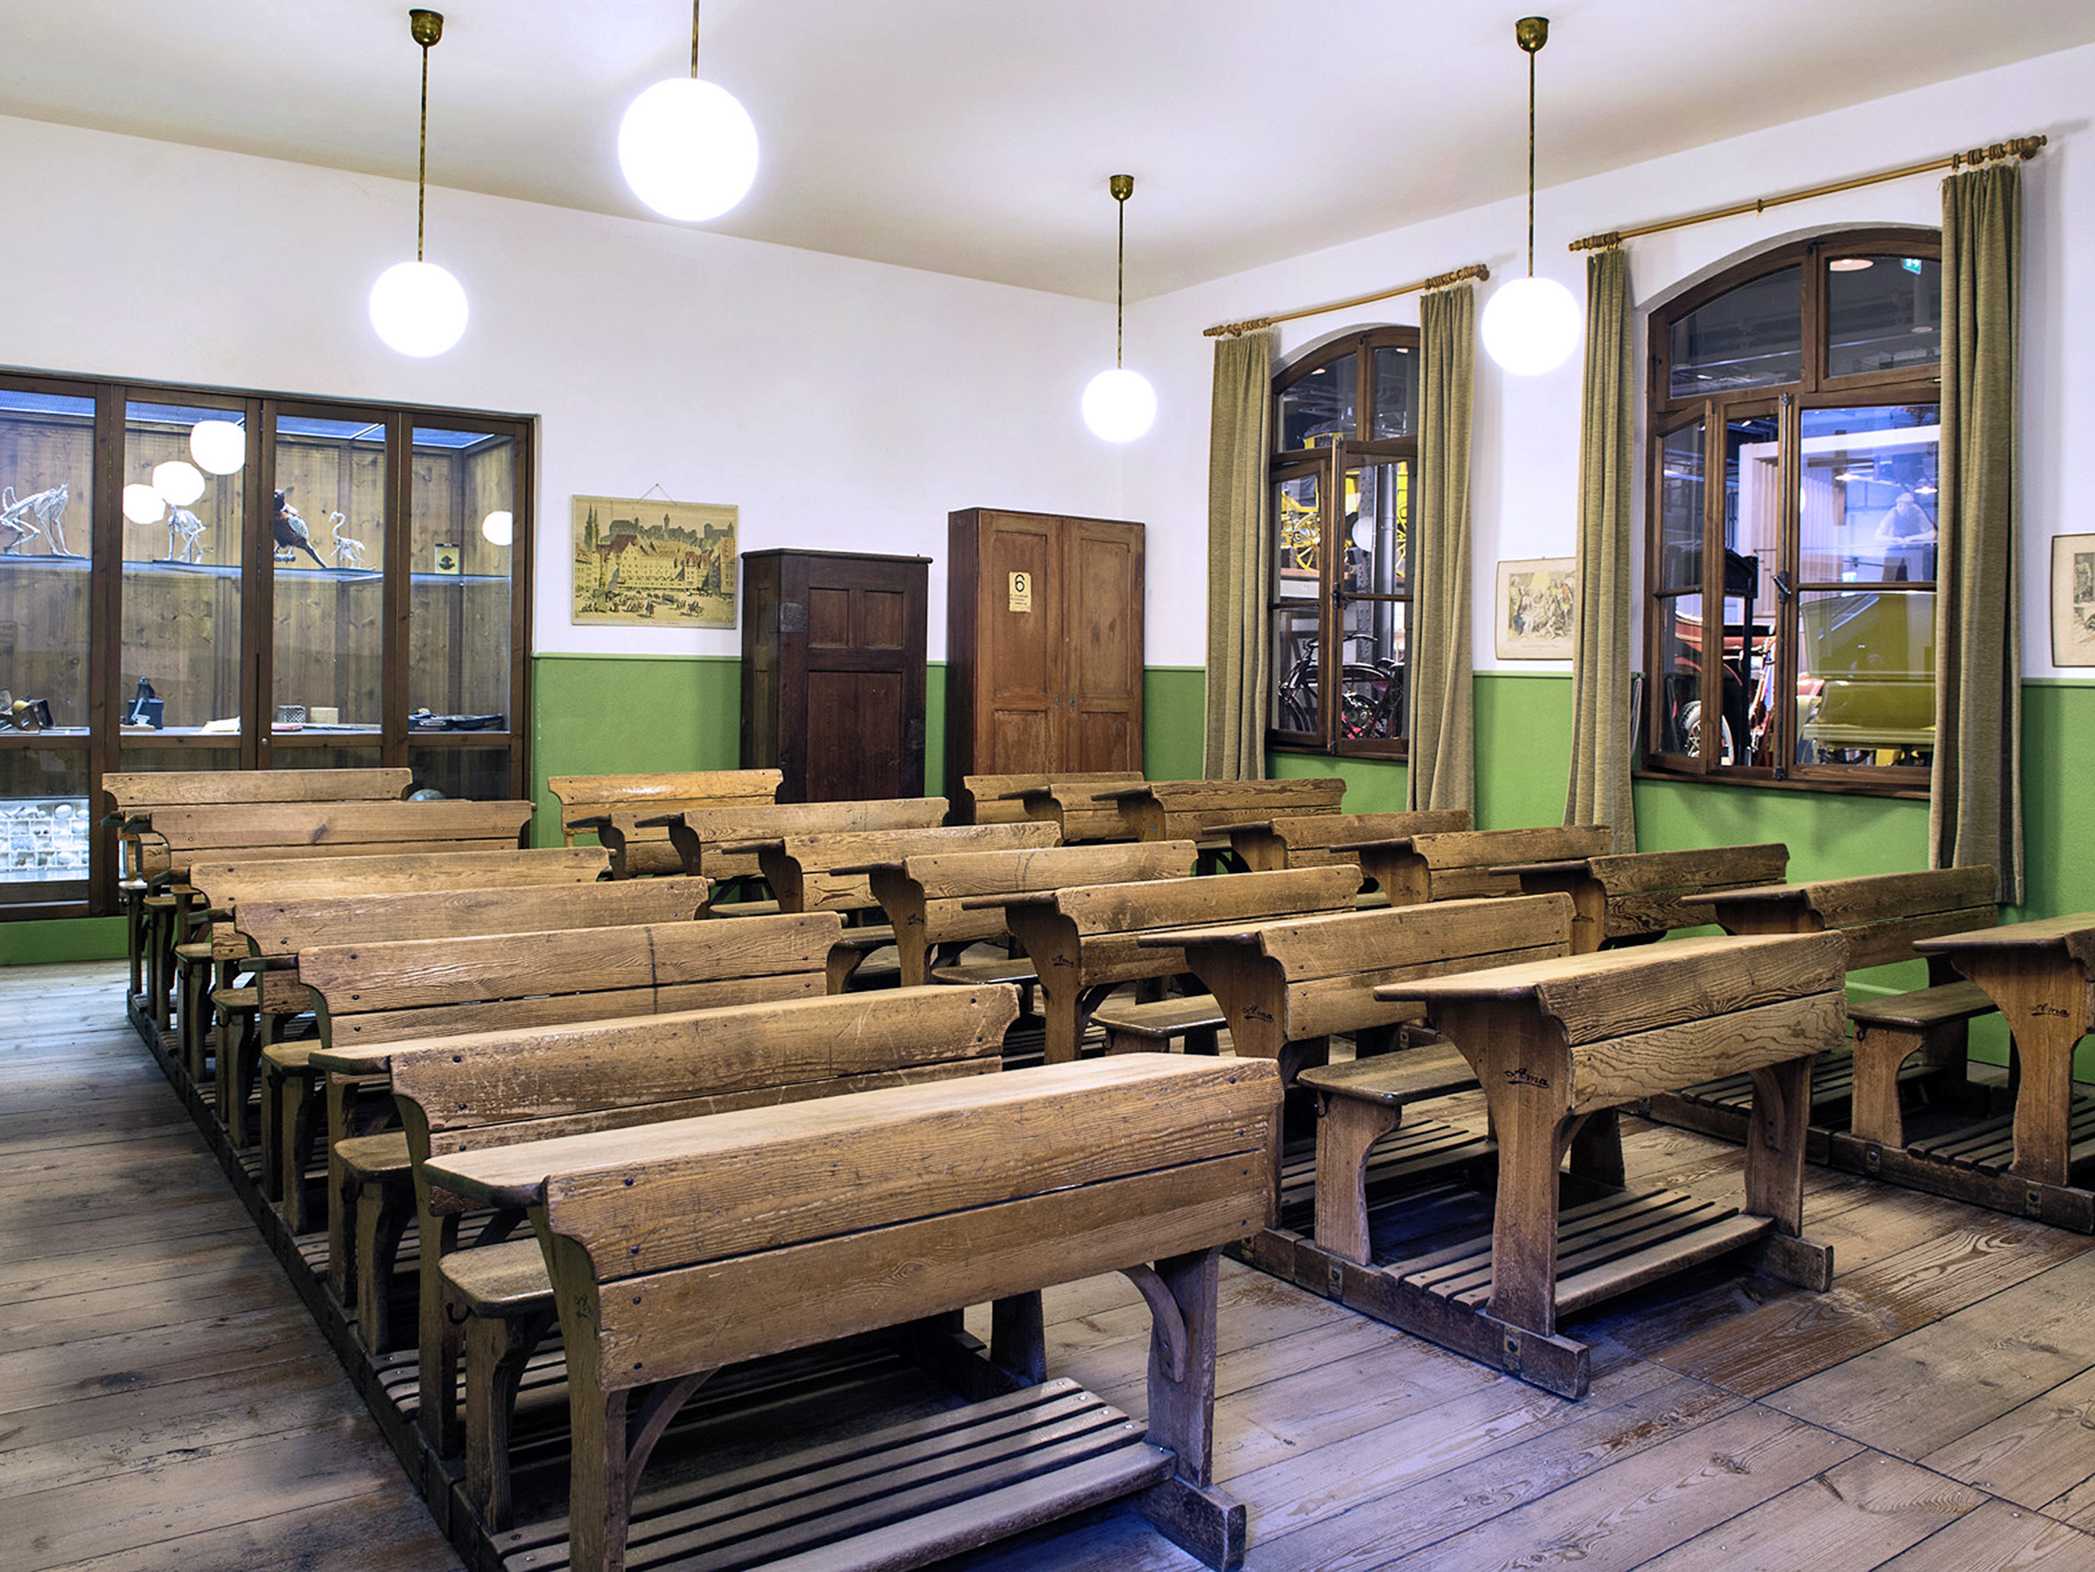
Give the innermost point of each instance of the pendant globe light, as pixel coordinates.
(688, 148)
(1120, 405)
(1532, 324)
(417, 307)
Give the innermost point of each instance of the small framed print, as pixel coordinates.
(1537, 604)
(447, 559)
(2073, 600)
(1021, 592)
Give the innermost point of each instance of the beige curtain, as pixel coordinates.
(1443, 771)
(1239, 442)
(1975, 810)
(1601, 722)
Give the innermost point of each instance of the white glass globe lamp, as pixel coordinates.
(218, 446)
(1531, 326)
(499, 527)
(1119, 405)
(179, 481)
(688, 149)
(144, 505)
(418, 309)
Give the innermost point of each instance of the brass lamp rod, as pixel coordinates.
(1476, 270)
(2016, 147)
(426, 28)
(694, 40)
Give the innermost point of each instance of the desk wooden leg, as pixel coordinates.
(1058, 1007)
(1775, 1139)
(2045, 1037)
(382, 1211)
(440, 1336)
(134, 938)
(1347, 1129)
(497, 1351)
(1187, 1508)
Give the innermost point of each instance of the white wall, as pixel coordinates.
(1525, 469)
(839, 403)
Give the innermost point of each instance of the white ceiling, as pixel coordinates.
(975, 136)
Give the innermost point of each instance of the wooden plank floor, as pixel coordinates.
(164, 1401)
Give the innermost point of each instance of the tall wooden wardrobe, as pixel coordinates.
(1043, 644)
(833, 673)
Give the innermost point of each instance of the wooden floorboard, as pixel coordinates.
(166, 1402)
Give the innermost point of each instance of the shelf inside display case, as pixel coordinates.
(43, 839)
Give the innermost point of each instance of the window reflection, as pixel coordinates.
(1680, 508)
(1883, 313)
(1866, 677)
(1293, 667)
(1377, 529)
(1870, 494)
(1371, 691)
(1297, 533)
(1396, 392)
(46, 504)
(328, 539)
(462, 491)
(1318, 409)
(1750, 336)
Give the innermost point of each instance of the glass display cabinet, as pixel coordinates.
(202, 580)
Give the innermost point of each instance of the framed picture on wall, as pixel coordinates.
(1536, 603)
(651, 563)
(2073, 600)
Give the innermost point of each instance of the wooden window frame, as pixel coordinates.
(1330, 461)
(257, 741)
(1814, 388)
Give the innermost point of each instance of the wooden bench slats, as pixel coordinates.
(1146, 906)
(313, 824)
(224, 882)
(1681, 981)
(131, 791)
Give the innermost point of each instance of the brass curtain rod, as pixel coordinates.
(2016, 147)
(1475, 270)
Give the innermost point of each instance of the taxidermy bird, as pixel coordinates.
(292, 533)
(349, 552)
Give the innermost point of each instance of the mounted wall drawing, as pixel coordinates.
(2073, 600)
(651, 563)
(1537, 603)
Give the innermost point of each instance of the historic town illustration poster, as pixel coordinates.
(652, 563)
(1537, 605)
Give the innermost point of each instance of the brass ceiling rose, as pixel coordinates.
(427, 27)
(1531, 32)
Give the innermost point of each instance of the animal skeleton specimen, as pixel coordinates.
(349, 553)
(181, 522)
(291, 533)
(40, 513)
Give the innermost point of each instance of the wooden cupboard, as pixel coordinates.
(833, 673)
(1043, 644)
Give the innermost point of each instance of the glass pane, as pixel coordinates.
(145, 757)
(1318, 410)
(302, 758)
(1371, 683)
(1883, 314)
(47, 450)
(1680, 678)
(1866, 677)
(1752, 558)
(479, 773)
(1869, 494)
(1294, 670)
(1748, 337)
(1378, 529)
(45, 826)
(329, 527)
(1298, 525)
(1680, 508)
(1396, 392)
(462, 490)
(183, 525)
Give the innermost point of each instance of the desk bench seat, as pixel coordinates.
(1921, 1008)
(1154, 1026)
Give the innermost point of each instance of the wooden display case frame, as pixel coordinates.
(257, 744)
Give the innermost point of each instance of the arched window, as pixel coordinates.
(1794, 409)
(1344, 423)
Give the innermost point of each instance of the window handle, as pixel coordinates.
(1785, 586)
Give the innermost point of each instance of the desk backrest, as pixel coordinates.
(1312, 840)
(1463, 864)
(138, 791)
(717, 841)
(1647, 892)
(1183, 810)
(171, 839)
(591, 796)
(225, 884)
(1601, 1030)
(278, 927)
(989, 799)
(762, 1230)
(494, 1089)
(1327, 968)
(930, 891)
(385, 992)
(1880, 914)
(805, 871)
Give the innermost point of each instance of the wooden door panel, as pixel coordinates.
(1102, 618)
(1021, 657)
(865, 707)
(883, 619)
(829, 614)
